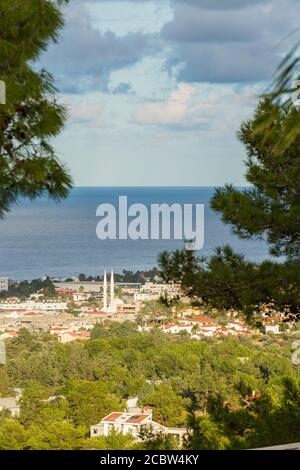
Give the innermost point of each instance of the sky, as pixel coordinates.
(156, 90)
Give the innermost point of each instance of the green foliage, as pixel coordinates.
(138, 277)
(234, 393)
(284, 91)
(117, 441)
(160, 442)
(12, 436)
(271, 207)
(227, 280)
(5, 387)
(180, 266)
(57, 436)
(31, 402)
(168, 406)
(89, 401)
(126, 328)
(31, 116)
(156, 312)
(25, 288)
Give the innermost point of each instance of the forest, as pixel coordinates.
(231, 393)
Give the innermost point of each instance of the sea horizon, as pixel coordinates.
(43, 238)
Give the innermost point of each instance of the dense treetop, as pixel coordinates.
(31, 116)
(234, 393)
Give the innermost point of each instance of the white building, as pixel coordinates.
(151, 291)
(237, 325)
(10, 404)
(115, 305)
(81, 296)
(4, 284)
(176, 329)
(70, 336)
(133, 423)
(31, 305)
(272, 329)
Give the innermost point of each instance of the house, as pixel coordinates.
(203, 332)
(31, 305)
(4, 284)
(237, 325)
(223, 331)
(82, 296)
(92, 313)
(81, 325)
(172, 328)
(268, 328)
(64, 292)
(202, 320)
(58, 330)
(67, 336)
(271, 324)
(153, 291)
(10, 404)
(9, 335)
(133, 423)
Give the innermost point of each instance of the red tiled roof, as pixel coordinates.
(31, 314)
(56, 328)
(202, 319)
(137, 418)
(112, 417)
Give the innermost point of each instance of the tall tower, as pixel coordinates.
(105, 292)
(112, 287)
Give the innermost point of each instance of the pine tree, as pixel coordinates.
(271, 206)
(31, 116)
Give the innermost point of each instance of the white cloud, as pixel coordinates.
(208, 107)
(85, 110)
(172, 111)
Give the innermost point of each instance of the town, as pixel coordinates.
(77, 306)
(85, 316)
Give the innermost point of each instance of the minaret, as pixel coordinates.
(112, 288)
(105, 292)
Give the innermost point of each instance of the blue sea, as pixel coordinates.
(41, 237)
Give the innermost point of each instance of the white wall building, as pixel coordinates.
(272, 329)
(151, 291)
(4, 284)
(10, 404)
(133, 423)
(31, 305)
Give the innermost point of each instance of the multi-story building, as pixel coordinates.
(151, 291)
(4, 284)
(133, 424)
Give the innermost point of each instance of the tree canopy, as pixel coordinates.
(271, 206)
(233, 392)
(31, 116)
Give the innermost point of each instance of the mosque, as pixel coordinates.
(114, 304)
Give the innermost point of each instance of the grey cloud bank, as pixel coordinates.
(166, 90)
(85, 57)
(240, 45)
(207, 40)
